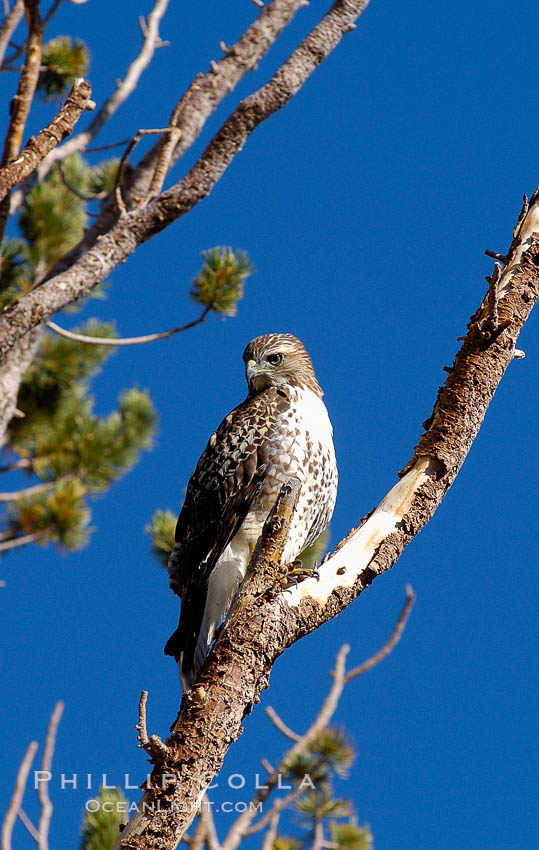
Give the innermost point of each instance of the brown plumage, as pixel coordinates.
(280, 430)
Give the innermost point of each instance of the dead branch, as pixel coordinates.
(23, 540)
(51, 135)
(21, 102)
(126, 87)
(202, 98)
(18, 794)
(281, 725)
(17, 495)
(153, 746)
(127, 340)
(139, 225)
(9, 25)
(43, 787)
(382, 653)
(264, 624)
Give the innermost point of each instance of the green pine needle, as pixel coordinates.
(219, 283)
(350, 836)
(161, 529)
(100, 829)
(333, 745)
(53, 217)
(102, 177)
(63, 60)
(282, 843)
(14, 271)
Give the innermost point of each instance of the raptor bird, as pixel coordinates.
(281, 430)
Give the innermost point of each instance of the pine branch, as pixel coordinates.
(129, 340)
(34, 490)
(20, 105)
(51, 135)
(139, 225)
(24, 539)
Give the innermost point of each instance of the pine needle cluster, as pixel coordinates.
(62, 61)
(74, 453)
(219, 283)
(329, 755)
(100, 829)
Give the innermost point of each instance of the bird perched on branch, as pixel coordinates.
(281, 430)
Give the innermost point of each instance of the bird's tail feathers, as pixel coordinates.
(183, 643)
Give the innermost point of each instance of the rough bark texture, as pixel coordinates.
(264, 624)
(22, 100)
(211, 715)
(39, 146)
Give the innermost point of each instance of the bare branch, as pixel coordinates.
(153, 745)
(23, 540)
(281, 725)
(123, 163)
(17, 495)
(28, 824)
(81, 141)
(18, 794)
(128, 340)
(51, 135)
(21, 102)
(205, 834)
(43, 787)
(392, 642)
(199, 102)
(271, 834)
(139, 225)
(9, 25)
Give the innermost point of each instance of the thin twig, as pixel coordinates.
(129, 340)
(152, 745)
(18, 794)
(271, 834)
(392, 642)
(242, 825)
(17, 495)
(43, 787)
(81, 141)
(28, 824)
(100, 196)
(205, 834)
(142, 731)
(23, 540)
(280, 724)
(123, 163)
(276, 808)
(22, 463)
(9, 25)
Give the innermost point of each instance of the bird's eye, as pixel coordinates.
(275, 359)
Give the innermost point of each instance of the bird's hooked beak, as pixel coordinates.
(256, 374)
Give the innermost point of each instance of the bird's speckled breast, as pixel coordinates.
(302, 447)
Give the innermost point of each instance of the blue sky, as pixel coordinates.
(366, 206)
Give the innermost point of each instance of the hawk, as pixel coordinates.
(281, 430)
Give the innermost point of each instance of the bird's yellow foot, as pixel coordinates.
(291, 574)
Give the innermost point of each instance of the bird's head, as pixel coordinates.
(278, 360)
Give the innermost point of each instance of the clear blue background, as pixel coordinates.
(366, 206)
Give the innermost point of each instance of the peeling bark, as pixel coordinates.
(264, 624)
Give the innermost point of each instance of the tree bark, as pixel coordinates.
(263, 624)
